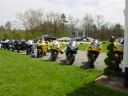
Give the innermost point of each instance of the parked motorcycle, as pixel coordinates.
(10, 44)
(55, 50)
(41, 48)
(19, 45)
(3, 44)
(93, 52)
(71, 51)
(29, 47)
(118, 49)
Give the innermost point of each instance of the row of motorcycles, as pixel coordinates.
(95, 48)
(17, 45)
(55, 48)
(41, 47)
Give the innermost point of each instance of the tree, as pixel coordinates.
(110, 60)
(72, 22)
(87, 24)
(105, 32)
(8, 26)
(118, 30)
(99, 21)
(30, 19)
(52, 22)
(2, 28)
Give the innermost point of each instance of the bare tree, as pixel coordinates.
(87, 24)
(99, 21)
(52, 21)
(52, 17)
(8, 26)
(30, 19)
(72, 22)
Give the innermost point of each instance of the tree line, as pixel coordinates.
(32, 24)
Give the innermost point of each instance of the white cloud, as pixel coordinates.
(112, 10)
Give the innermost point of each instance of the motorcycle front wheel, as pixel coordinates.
(53, 56)
(70, 59)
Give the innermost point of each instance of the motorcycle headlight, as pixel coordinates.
(72, 47)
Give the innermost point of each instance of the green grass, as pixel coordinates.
(83, 47)
(21, 75)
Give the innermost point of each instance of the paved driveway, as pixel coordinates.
(81, 59)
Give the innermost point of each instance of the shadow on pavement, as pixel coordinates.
(63, 62)
(85, 65)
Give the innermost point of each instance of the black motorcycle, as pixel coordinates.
(54, 54)
(15, 45)
(3, 44)
(10, 44)
(29, 46)
(71, 51)
(22, 45)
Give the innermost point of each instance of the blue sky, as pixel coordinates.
(112, 10)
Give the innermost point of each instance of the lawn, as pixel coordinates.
(83, 47)
(21, 75)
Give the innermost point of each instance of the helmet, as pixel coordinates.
(32, 55)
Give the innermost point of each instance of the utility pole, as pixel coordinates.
(125, 56)
(63, 18)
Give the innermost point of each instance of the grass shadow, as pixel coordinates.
(93, 89)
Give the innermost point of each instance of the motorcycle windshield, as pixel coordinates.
(95, 44)
(72, 44)
(95, 41)
(120, 40)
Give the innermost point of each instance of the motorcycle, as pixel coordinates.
(93, 52)
(29, 47)
(55, 50)
(3, 44)
(118, 49)
(11, 44)
(20, 45)
(71, 51)
(41, 49)
(16, 45)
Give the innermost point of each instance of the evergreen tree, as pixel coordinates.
(110, 60)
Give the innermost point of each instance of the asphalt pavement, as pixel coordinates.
(81, 59)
